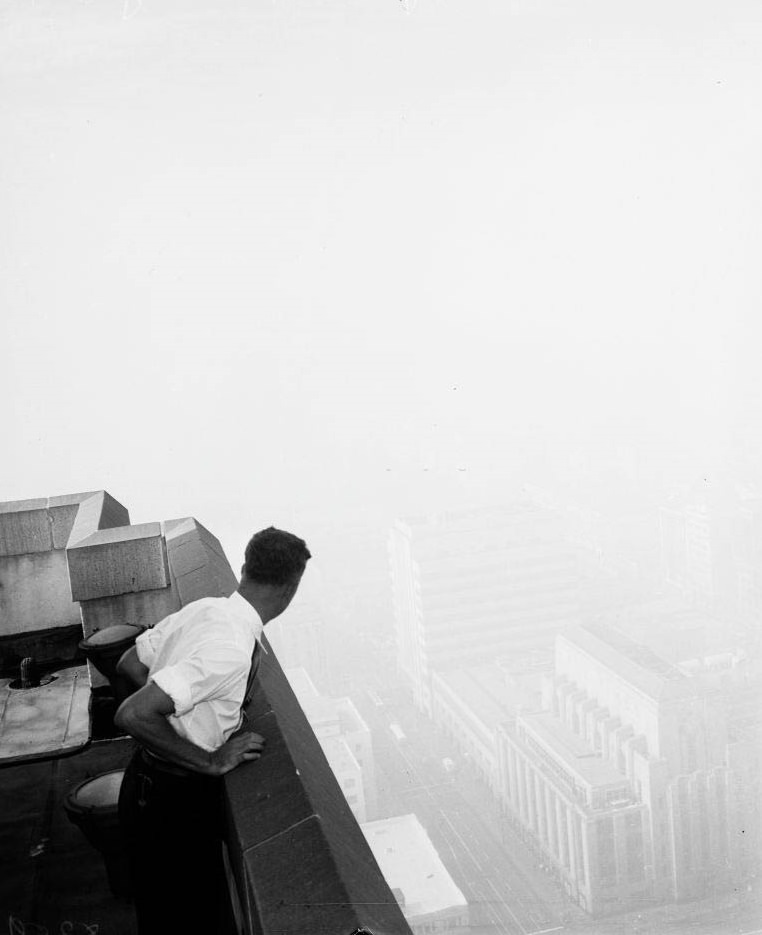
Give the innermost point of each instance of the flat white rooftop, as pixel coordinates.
(410, 863)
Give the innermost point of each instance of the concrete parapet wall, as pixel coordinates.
(197, 562)
(45, 524)
(299, 858)
(34, 577)
(34, 593)
(98, 511)
(28, 528)
(118, 561)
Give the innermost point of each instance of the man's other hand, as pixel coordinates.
(239, 749)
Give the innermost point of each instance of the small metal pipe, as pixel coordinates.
(29, 673)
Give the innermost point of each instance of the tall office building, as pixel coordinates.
(473, 585)
(628, 779)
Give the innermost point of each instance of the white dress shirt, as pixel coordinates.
(201, 656)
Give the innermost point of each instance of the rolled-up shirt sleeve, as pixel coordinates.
(213, 670)
(146, 646)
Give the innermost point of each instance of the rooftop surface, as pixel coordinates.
(49, 873)
(51, 719)
(485, 691)
(571, 750)
(410, 863)
(643, 669)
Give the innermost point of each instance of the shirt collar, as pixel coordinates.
(244, 610)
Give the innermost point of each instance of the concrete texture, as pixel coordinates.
(197, 562)
(98, 511)
(118, 561)
(46, 721)
(34, 576)
(300, 860)
(28, 526)
(49, 874)
(34, 592)
(23, 531)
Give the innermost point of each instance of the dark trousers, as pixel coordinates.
(172, 830)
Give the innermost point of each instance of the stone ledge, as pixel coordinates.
(99, 511)
(118, 561)
(300, 860)
(46, 523)
(118, 534)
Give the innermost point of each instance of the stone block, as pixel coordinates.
(179, 531)
(23, 532)
(23, 506)
(28, 526)
(196, 561)
(187, 557)
(99, 511)
(34, 593)
(62, 519)
(118, 561)
(195, 586)
(212, 542)
(72, 499)
(113, 513)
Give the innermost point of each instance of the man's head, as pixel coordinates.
(274, 564)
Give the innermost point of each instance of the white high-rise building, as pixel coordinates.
(474, 585)
(636, 778)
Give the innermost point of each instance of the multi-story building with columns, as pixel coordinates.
(633, 758)
(580, 810)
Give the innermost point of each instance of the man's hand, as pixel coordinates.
(239, 749)
(144, 716)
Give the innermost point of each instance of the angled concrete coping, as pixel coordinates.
(118, 534)
(49, 523)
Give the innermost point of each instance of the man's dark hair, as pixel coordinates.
(275, 557)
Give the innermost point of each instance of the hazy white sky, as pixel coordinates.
(263, 260)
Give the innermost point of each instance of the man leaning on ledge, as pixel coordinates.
(194, 673)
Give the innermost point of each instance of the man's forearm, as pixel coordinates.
(155, 733)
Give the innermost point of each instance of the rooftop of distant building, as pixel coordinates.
(636, 663)
(485, 691)
(410, 863)
(571, 750)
